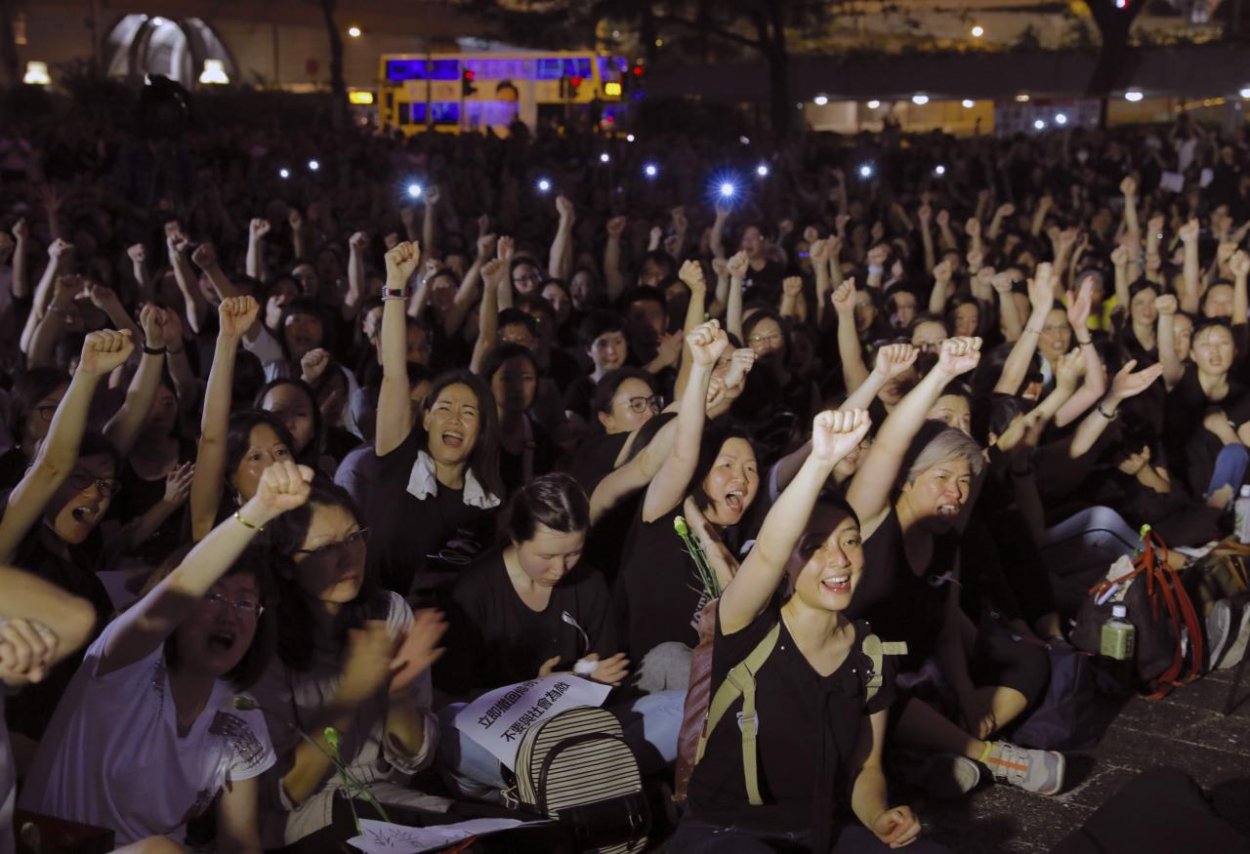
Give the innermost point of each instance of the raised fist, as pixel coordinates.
(707, 341)
(137, 253)
(616, 227)
(691, 274)
(792, 286)
(738, 264)
(958, 356)
(104, 350)
(258, 228)
(205, 256)
(836, 434)
(236, 315)
(401, 263)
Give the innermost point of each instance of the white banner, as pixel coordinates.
(498, 719)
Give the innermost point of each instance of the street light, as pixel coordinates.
(920, 99)
(354, 32)
(1133, 95)
(977, 31)
(820, 100)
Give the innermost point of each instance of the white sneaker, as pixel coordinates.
(1219, 631)
(1039, 771)
(1240, 637)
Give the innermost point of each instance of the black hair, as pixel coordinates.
(31, 387)
(769, 314)
(610, 383)
(239, 436)
(596, 323)
(501, 354)
(309, 306)
(254, 561)
(829, 499)
(307, 455)
(959, 301)
(484, 458)
(95, 444)
(710, 446)
(296, 619)
(644, 293)
(516, 317)
(1202, 324)
(665, 261)
(556, 501)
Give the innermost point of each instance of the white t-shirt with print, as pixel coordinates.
(112, 756)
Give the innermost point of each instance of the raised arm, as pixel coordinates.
(870, 489)
(996, 223)
(560, 261)
(236, 315)
(924, 215)
(1173, 367)
(717, 238)
(854, 371)
(737, 268)
(47, 333)
(834, 435)
(1124, 385)
(612, 275)
(669, 485)
(176, 244)
(1042, 298)
(494, 280)
(394, 420)
(691, 274)
(1191, 294)
(42, 625)
(1239, 266)
(256, 231)
(941, 283)
(101, 353)
(1129, 188)
(1095, 384)
(123, 428)
(44, 291)
(429, 223)
(145, 626)
(21, 271)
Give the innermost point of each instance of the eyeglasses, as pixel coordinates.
(46, 411)
(639, 405)
(357, 538)
(764, 339)
(81, 481)
(242, 607)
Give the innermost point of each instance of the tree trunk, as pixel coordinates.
(338, 88)
(1114, 55)
(776, 52)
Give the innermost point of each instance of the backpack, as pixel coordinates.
(740, 682)
(577, 769)
(1162, 614)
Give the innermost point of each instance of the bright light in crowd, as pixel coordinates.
(1121, 4)
(1061, 119)
(1038, 124)
(629, 137)
(1023, 97)
(214, 72)
(651, 170)
(727, 189)
(820, 100)
(605, 157)
(872, 105)
(544, 185)
(414, 191)
(313, 165)
(37, 74)
(865, 171)
(977, 31)
(920, 99)
(762, 170)
(1245, 93)
(968, 103)
(354, 32)
(745, 140)
(1133, 95)
(939, 170)
(284, 173)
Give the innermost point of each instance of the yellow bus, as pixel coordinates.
(467, 91)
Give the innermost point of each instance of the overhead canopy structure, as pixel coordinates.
(150, 44)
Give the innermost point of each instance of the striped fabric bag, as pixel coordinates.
(577, 769)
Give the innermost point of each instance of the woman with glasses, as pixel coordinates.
(534, 608)
(351, 656)
(51, 517)
(170, 667)
(35, 396)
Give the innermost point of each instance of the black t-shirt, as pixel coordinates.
(658, 595)
(809, 726)
(138, 495)
(13, 466)
(901, 604)
(496, 639)
(577, 397)
(421, 544)
(1190, 447)
(763, 285)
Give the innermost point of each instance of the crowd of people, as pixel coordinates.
(367, 438)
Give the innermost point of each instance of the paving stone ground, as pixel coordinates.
(1186, 730)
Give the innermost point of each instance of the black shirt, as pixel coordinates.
(809, 726)
(496, 639)
(763, 285)
(421, 544)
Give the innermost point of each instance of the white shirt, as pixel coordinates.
(423, 482)
(112, 756)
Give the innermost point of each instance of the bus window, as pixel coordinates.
(548, 68)
(399, 70)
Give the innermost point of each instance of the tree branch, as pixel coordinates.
(712, 31)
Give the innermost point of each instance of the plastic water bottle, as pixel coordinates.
(1241, 513)
(1118, 640)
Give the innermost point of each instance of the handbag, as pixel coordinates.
(1065, 719)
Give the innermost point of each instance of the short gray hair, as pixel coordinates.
(946, 446)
